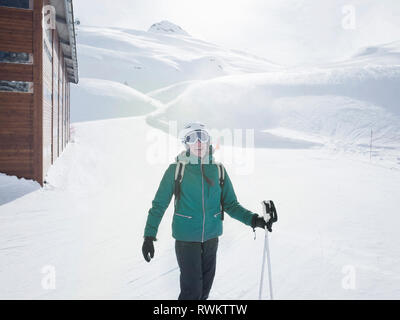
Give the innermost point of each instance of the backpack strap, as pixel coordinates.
(221, 177)
(179, 171)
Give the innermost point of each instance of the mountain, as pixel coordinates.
(336, 104)
(147, 61)
(167, 28)
(175, 77)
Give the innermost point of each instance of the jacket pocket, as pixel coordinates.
(182, 215)
(217, 214)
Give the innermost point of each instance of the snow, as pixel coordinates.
(337, 198)
(148, 61)
(334, 210)
(102, 99)
(168, 28)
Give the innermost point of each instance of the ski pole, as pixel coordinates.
(270, 216)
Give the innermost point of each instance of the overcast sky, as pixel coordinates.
(285, 31)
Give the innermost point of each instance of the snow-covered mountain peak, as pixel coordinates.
(167, 27)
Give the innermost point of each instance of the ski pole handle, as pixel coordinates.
(269, 212)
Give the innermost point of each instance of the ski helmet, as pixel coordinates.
(194, 127)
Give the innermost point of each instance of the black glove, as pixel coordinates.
(148, 248)
(259, 222)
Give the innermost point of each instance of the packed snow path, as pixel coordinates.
(337, 235)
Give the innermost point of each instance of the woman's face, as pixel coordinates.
(199, 149)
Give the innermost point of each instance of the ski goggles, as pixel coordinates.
(200, 135)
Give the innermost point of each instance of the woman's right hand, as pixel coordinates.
(148, 248)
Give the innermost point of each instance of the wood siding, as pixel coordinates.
(16, 108)
(16, 134)
(48, 56)
(56, 112)
(61, 100)
(34, 127)
(16, 30)
(16, 72)
(38, 91)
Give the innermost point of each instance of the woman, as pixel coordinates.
(197, 221)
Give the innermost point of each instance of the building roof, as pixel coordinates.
(66, 31)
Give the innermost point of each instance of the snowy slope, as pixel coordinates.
(88, 223)
(151, 60)
(336, 105)
(103, 99)
(381, 54)
(301, 102)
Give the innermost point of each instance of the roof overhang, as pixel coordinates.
(66, 32)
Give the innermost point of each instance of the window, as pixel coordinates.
(16, 57)
(16, 86)
(24, 4)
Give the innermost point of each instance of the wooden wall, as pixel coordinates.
(16, 108)
(55, 115)
(34, 127)
(48, 55)
(16, 134)
(16, 30)
(38, 91)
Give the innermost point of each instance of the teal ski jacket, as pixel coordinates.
(197, 215)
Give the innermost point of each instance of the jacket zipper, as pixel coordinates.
(202, 195)
(182, 215)
(215, 215)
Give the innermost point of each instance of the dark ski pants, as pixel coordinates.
(197, 263)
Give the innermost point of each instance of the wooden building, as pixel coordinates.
(38, 61)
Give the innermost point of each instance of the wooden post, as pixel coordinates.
(38, 91)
